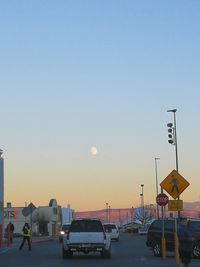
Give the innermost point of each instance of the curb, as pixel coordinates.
(4, 248)
(42, 240)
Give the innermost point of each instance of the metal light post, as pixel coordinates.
(156, 171)
(142, 201)
(132, 214)
(141, 207)
(106, 212)
(174, 142)
(119, 217)
(172, 129)
(1, 197)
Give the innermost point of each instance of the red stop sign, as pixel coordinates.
(162, 199)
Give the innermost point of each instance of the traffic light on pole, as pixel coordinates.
(170, 133)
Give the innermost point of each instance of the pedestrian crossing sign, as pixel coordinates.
(174, 184)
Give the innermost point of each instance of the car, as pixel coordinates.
(64, 229)
(86, 235)
(113, 230)
(143, 230)
(154, 236)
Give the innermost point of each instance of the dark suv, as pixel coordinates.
(154, 236)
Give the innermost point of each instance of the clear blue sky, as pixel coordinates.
(76, 74)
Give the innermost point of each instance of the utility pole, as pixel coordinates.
(109, 213)
(106, 212)
(142, 203)
(156, 170)
(173, 140)
(1, 197)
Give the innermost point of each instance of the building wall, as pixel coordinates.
(14, 215)
(43, 220)
(67, 215)
(52, 217)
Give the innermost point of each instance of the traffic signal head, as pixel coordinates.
(170, 133)
(170, 124)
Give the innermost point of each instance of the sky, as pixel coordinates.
(79, 74)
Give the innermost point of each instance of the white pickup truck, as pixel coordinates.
(86, 235)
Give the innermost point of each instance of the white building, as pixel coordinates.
(67, 215)
(15, 215)
(44, 220)
(48, 218)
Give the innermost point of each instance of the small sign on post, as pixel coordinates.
(162, 200)
(175, 205)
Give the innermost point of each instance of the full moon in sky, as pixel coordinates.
(93, 150)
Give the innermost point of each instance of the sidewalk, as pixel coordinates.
(18, 240)
(37, 239)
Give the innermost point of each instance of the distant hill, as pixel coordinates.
(114, 215)
(123, 215)
(192, 206)
(191, 209)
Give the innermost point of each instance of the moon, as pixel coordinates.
(93, 151)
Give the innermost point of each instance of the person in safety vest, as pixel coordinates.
(26, 231)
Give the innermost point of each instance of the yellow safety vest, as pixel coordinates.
(28, 234)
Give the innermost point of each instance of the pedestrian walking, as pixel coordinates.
(185, 242)
(10, 232)
(26, 231)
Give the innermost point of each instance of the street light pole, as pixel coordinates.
(119, 217)
(106, 212)
(1, 197)
(176, 146)
(175, 136)
(156, 170)
(132, 214)
(174, 142)
(142, 201)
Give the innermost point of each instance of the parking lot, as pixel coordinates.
(129, 251)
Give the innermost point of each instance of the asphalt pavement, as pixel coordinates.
(17, 241)
(130, 251)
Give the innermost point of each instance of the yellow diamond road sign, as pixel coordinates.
(174, 184)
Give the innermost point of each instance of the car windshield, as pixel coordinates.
(86, 226)
(65, 227)
(194, 226)
(110, 226)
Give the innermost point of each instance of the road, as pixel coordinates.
(130, 251)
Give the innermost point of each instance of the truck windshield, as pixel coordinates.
(194, 226)
(86, 226)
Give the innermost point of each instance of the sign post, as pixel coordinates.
(175, 184)
(162, 201)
